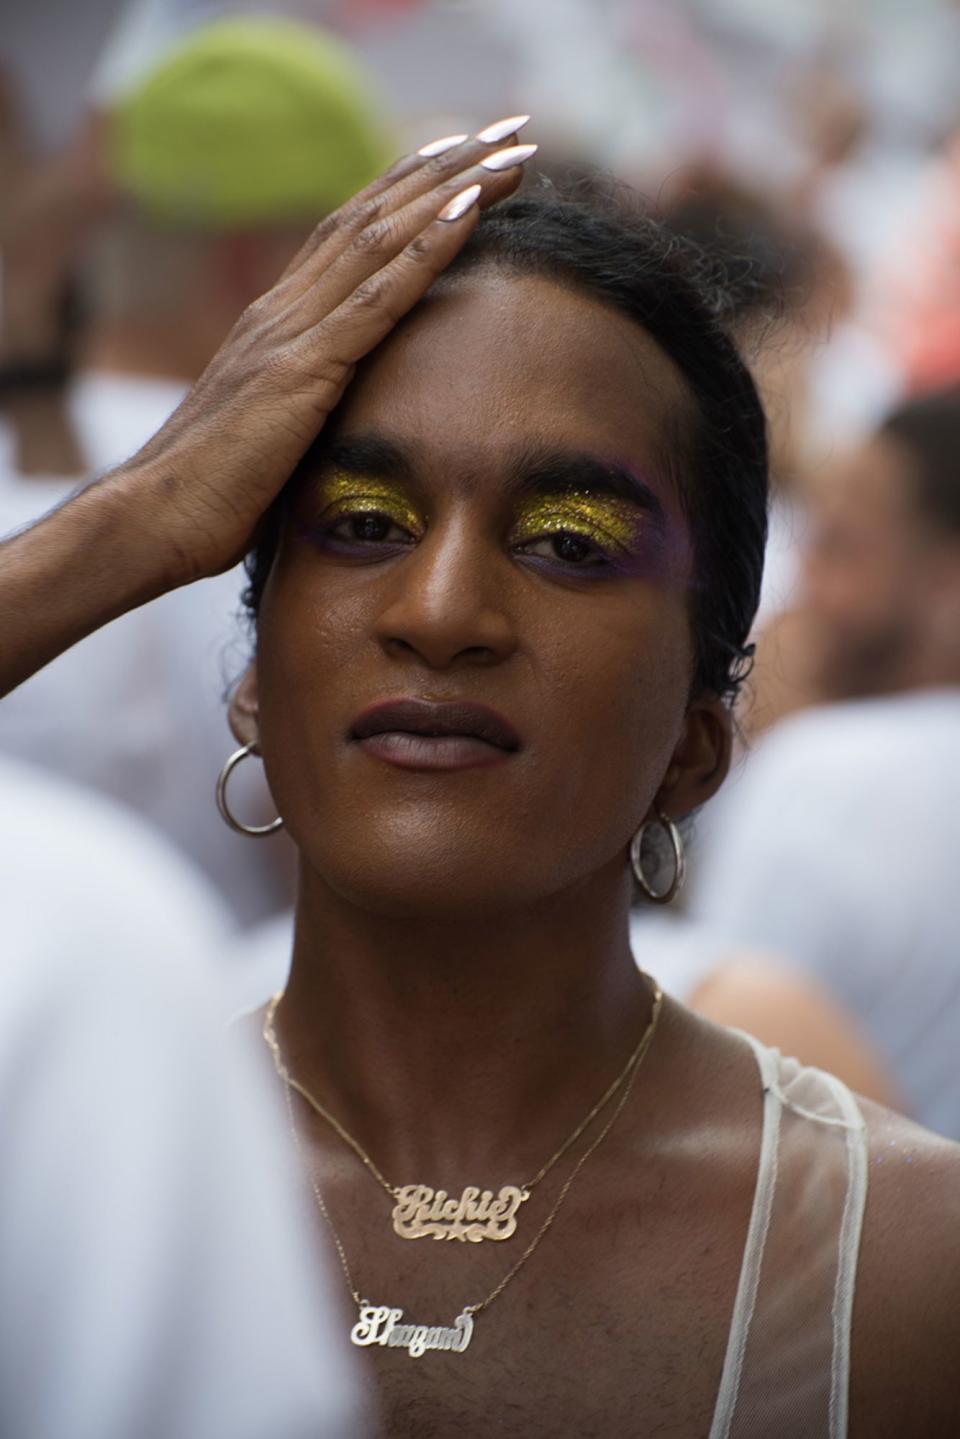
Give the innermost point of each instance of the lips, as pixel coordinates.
(430, 734)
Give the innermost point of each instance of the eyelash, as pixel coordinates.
(598, 557)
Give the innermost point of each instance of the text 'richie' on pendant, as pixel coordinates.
(379, 1324)
(423, 1213)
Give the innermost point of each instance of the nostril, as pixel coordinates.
(440, 656)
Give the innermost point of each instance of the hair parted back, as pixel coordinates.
(615, 252)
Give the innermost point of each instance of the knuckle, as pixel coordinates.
(317, 370)
(274, 369)
(267, 320)
(420, 248)
(439, 166)
(365, 212)
(261, 325)
(324, 230)
(258, 313)
(369, 293)
(373, 239)
(375, 294)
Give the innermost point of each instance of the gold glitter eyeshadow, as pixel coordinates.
(602, 519)
(358, 494)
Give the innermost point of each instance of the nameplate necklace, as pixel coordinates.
(419, 1210)
(385, 1325)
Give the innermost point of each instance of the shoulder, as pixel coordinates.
(906, 1324)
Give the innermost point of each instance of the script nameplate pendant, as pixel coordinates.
(423, 1213)
(379, 1324)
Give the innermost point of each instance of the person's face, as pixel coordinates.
(490, 519)
(863, 582)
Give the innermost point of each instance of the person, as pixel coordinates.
(853, 801)
(740, 984)
(177, 213)
(151, 1233)
(499, 608)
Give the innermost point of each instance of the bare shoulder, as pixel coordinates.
(906, 1322)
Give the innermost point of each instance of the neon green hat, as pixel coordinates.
(248, 122)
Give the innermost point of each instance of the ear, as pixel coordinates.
(243, 711)
(701, 760)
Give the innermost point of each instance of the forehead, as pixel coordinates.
(494, 363)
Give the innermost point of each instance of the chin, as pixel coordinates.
(410, 882)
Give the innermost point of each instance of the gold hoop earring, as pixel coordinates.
(663, 896)
(257, 830)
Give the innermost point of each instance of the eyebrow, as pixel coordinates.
(539, 471)
(368, 453)
(552, 472)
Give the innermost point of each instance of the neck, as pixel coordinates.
(451, 1047)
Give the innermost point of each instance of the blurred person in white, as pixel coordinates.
(193, 188)
(151, 1235)
(837, 848)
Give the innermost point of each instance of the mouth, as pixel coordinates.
(435, 735)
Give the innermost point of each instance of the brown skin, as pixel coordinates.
(795, 1014)
(453, 948)
(48, 207)
(568, 662)
(882, 586)
(462, 984)
(879, 610)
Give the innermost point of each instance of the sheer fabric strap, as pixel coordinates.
(787, 1366)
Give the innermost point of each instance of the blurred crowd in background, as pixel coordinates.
(160, 161)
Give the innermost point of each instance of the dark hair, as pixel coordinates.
(623, 257)
(929, 428)
(768, 267)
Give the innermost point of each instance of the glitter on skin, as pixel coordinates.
(624, 535)
(357, 494)
(607, 522)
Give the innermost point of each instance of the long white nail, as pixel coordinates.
(500, 129)
(440, 147)
(505, 159)
(457, 207)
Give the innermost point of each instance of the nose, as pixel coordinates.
(448, 604)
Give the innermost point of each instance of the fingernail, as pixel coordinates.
(500, 129)
(440, 147)
(505, 159)
(460, 204)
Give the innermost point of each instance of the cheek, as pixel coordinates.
(308, 631)
(621, 690)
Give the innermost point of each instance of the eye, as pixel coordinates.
(566, 546)
(368, 527)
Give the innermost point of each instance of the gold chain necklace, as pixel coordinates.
(380, 1323)
(420, 1212)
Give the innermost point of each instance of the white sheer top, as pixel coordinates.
(787, 1366)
